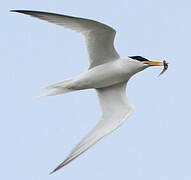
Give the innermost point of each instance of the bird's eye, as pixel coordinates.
(139, 58)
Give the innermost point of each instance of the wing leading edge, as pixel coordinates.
(99, 37)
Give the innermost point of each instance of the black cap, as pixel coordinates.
(138, 58)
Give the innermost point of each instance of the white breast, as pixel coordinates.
(102, 76)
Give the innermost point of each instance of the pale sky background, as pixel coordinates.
(37, 134)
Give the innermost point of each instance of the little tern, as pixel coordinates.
(108, 74)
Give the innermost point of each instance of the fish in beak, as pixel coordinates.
(158, 63)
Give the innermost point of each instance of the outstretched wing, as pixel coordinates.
(98, 37)
(115, 109)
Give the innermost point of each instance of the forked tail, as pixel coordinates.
(60, 88)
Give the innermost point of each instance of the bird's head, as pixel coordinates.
(143, 63)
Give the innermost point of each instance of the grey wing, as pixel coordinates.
(99, 37)
(115, 109)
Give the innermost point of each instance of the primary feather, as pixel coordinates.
(115, 109)
(98, 37)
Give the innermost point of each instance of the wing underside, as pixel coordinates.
(115, 109)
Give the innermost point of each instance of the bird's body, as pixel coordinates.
(104, 75)
(108, 74)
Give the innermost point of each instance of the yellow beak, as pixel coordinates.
(157, 63)
(154, 63)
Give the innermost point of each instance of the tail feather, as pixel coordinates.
(57, 92)
(60, 88)
(57, 85)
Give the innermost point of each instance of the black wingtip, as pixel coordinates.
(51, 172)
(54, 170)
(15, 10)
(21, 11)
(18, 11)
(60, 166)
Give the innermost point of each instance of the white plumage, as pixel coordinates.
(107, 73)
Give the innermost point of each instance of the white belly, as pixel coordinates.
(101, 76)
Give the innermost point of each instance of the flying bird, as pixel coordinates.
(108, 74)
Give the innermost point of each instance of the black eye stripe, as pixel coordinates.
(138, 58)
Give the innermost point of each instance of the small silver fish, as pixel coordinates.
(165, 64)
